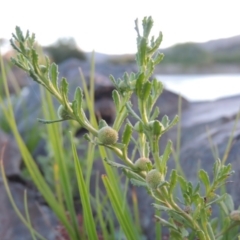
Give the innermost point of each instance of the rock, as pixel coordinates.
(11, 155)
(11, 227)
(215, 120)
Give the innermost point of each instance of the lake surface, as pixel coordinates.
(202, 87)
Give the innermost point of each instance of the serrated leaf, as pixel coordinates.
(34, 61)
(223, 207)
(166, 223)
(166, 155)
(161, 207)
(64, 90)
(102, 123)
(116, 99)
(218, 199)
(210, 231)
(155, 114)
(165, 121)
(183, 183)
(229, 202)
(130, 174)
(146, 90)
(195, 197)
(54, 75)
(172, 180)
(139, 127)
(127, 133)
(159, 57)
(196, 213)
(78, 97)
(174, 122)
(203, 176)
(147, 149)
(139, 84)
(142, 48)
(113, 81)
(187, 198)
(117, 165)
(87, 137)
(19, 33)
(196, 189)
(216, 168)
(190, 188)
(138, 183)
(147, 26)
(156, 128)
(214, 223)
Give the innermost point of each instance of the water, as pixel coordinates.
(202, 87)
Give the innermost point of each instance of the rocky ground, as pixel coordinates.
(199, 121)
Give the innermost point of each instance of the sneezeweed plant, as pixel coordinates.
(189, 217)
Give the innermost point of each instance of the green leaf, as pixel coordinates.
(216, 168)
(187, 198)
(146, 90)
(156, 128)
(196, 189)
(78, 97)
(138, 183)
(183, 183)
(117, 165)
(190, 188)
(64, 90)
(229, 202)
(158, 58)
(102, 123)
(210, 231)
(166, 155)
(166, 223)
(214, 223)
(54, 75)
(165, 121)
(139, 84)
(173, 181)
(127, 133)
(147, 26)
(174, 122)
(203, 176)
(218, 199)
(147, 149)
(113, 81)
(116, 99)
(224, 207)
(130, 174)
(155, 114)
(142, 48)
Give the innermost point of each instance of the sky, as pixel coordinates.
(108, 26)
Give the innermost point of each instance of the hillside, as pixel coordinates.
(215, 56)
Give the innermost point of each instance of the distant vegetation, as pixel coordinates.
(63, 49)
(186, 54)
(198, 54)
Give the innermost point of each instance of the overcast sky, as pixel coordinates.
(108, 26)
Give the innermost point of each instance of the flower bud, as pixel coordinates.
(235, 215)
(153, 178)
(107, 135)
(142, 164)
